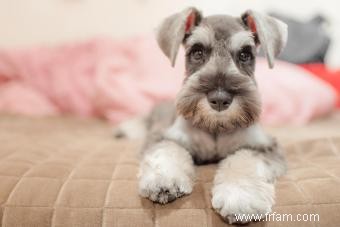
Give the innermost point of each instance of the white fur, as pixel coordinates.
(211, 67)
(134, 128)
(241, 186)
(175, 133)
(207, 147)
(201, 34)
(244, 182)
(166, 167)
(232, 68)
(240, 39)
(249, 197)
(191, 137)
(283, 30)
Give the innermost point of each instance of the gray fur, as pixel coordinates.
(172, 32)
(220, 56)
(272, 34)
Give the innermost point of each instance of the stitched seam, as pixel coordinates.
(297, 185)
(107, 194)
(53, 218)
(19, 181)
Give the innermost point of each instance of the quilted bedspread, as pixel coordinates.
(69, 172)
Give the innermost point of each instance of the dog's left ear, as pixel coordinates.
(174, 29)
(269, 32)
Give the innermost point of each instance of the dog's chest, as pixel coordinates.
(204, 147)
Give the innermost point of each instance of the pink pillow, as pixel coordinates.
(117, 80)
(291, 94)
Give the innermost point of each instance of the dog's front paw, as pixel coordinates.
(243, 202)
(164, 188)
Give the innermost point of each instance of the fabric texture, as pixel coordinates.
(116, 80)
(299, 38)
(67, 172)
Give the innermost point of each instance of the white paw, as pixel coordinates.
(243, 202)
(166, 174)
(164, 188)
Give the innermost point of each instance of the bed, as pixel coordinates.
(62, 171)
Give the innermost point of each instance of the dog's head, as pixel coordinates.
(219, 93)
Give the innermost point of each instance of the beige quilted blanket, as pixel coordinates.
(68, 172)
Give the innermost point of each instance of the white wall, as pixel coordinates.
(26, 22)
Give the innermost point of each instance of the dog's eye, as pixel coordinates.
(197, 53)
(245, 55)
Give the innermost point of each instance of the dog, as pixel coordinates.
(215, 116)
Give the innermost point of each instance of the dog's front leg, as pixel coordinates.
(244, 185)
(166, 172)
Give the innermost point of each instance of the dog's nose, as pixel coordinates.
(219, 99)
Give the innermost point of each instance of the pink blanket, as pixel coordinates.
(116, 80)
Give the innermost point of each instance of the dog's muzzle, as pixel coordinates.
(219, 99)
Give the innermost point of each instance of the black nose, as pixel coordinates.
(219, 99)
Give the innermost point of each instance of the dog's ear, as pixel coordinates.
(269, 32)
(174, 30)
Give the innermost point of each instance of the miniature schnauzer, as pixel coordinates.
(215, 116)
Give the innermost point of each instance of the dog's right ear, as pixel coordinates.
(271, 33)
(174, 30)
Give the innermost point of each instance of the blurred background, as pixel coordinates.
(53, 21)
(83, 57)
(71, 70)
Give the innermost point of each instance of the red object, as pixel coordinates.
(190, 21)
(327, 75)
(251, 24)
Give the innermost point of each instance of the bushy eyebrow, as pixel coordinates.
(241, 39)
(201, 34)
